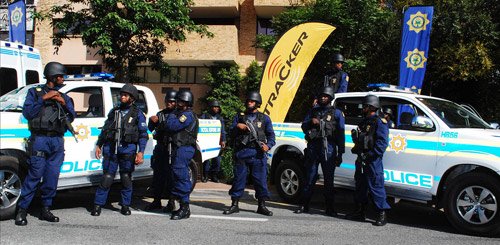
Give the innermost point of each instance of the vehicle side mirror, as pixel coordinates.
(495, 125)
(422, 122)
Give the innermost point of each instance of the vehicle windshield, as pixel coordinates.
(454, 115)
(14, 100)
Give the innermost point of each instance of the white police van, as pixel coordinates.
(439, 153)
(92, 100)
(19, 65)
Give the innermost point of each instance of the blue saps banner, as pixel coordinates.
(17, 22)
(415, 46)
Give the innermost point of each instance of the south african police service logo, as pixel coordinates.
(418, 22)
(415, 59)
(16, 16)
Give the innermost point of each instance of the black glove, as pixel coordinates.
(338, 160)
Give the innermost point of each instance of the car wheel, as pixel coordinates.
(193, 173)
(289, 180)
(10, 186)
(472, 204)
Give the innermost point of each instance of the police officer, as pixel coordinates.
(184, 127)
(337, 78)
(370, 142)
(161, 161)
(211, 167)
(387, 114)
(253, 136)
(123, 132)
(324, 128)
(47, 111)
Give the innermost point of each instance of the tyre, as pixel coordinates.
(289, 181)
(193, 173)
(472, 204)
(11, 177)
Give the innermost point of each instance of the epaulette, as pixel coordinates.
(383, 120)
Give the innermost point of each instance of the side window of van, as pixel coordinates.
(352, 108)
(8, 80)
(88, 102)
(32, 77)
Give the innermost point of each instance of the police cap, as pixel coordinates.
(53, 69)
(186, 96)
(170, 95)
(371, 100)
(131, 90)
(255, 96)
(338, 58)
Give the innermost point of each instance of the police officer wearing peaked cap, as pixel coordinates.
(183, 124)
(251, 147)
(122, 143)
(370, 142)
(46, 110)
(337, 78)
(324, 129)
(211, 167)
(161, 161)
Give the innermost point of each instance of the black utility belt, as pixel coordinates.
(47, 133)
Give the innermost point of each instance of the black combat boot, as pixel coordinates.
(262, 209)
(47, 215)
(125, 210)
(21, 217)
(330, 210)
(156, 204)
(358, 214)
(234, 207)
(215, 178)
(381, 219)
(183, 213)
(170, 206)
(96, 211)
(204, 178)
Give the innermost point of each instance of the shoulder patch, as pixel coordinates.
(182, 118)
(38, 89)
(347, 78)
(383, 120)
(343, 115)
(242, 113)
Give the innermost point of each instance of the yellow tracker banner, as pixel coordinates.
(287, 64)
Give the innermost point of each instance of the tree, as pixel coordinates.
(367, 35)
(125, 32)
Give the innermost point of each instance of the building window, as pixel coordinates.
(264, 27)
(178, 74)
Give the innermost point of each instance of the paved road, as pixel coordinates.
(409, 223)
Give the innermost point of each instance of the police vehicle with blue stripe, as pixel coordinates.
(94, 96)
(439, 153)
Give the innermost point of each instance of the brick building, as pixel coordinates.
(234, 23)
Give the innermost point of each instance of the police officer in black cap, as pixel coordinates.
(211, 167)
(370, 142)
(161, 161)
(337, 78)
(324, 129)
(123, 132)
(253, 136)
(183, 124)
(47, 111)
(387, 114)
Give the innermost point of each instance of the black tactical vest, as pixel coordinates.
(329, 124)
(49, 120)
(333, 80)
(244, 138)
(187, 136)
(129, 126)
(366, 135)
(161, 135)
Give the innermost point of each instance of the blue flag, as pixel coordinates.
(415, 46)
(17, 22)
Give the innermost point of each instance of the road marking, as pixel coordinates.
(206, 216)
